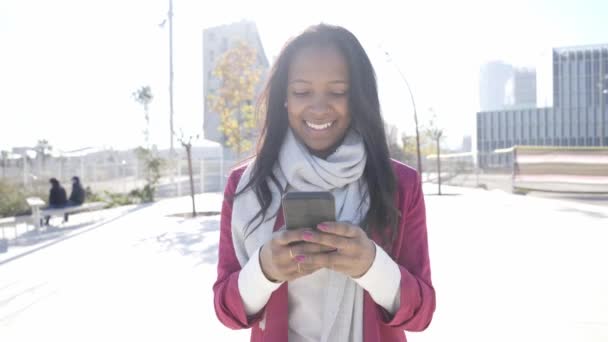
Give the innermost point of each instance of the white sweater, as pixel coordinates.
(306, 295)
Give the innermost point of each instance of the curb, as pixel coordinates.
(50, 243)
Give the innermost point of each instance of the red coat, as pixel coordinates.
(409, 250)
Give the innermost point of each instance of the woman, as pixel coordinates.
(77, 196)
(57, 198)
(364, 278)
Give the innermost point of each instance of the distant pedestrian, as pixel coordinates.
(57, 197)
(77, 196)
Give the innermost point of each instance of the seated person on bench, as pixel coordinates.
(57, 197)
(76, 197)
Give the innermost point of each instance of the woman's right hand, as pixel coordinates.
(281, 257)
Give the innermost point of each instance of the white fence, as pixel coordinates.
(117, 172)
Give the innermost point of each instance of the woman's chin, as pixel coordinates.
(321, 151)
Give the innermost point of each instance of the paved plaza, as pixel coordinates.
(505, 268)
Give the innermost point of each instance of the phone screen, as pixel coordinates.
(308, 209)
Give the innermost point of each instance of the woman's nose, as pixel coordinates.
(320, 106)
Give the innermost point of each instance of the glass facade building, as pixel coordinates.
(578, 117)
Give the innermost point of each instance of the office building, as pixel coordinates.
(217, 41)
(493, 79)
(578, 116)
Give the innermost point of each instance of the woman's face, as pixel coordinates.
(317, 98)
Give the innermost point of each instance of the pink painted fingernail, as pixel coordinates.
(324, 227)
(307, 236)
(300, 258)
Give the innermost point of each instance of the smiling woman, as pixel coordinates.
(317, 102)
(365, 277)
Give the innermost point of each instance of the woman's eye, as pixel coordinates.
(301, 93)
(338, 93)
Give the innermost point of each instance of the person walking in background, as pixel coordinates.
(57, 197)
(365, 278)
(77, 196)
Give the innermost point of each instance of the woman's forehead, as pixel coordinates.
(318, 63)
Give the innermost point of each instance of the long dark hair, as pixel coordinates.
(364, 109)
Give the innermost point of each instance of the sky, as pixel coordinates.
(68, 67)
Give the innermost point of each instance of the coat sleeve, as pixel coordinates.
(227, 300)
(417, 295)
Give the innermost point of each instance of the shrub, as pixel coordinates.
(12, 200)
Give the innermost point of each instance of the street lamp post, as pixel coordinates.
(436, 133)
(170, 18)
(171, 129)
(409, 89)
(603, 91)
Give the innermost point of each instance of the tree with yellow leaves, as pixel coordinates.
(238, 73)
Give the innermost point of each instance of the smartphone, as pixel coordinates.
(303, 209)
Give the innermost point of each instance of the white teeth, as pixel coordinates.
(319, 127)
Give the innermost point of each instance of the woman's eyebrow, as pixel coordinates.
(300, 81)
(309, 82)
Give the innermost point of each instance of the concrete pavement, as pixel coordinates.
(505, 267)
(517, 268)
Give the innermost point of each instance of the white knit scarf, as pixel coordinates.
(296, 169)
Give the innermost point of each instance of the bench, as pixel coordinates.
(560, 169)
(7, 222)
(12, 222)
(37, 212)
(73, 209)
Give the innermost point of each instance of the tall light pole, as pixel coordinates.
(171, 129)
(603, 88)
(436, 133)
(388, 56)
(170, 18)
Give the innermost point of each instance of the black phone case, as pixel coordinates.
(308, 209)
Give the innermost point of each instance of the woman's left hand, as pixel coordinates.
(354, 251)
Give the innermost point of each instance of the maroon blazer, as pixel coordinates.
(409, 250)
